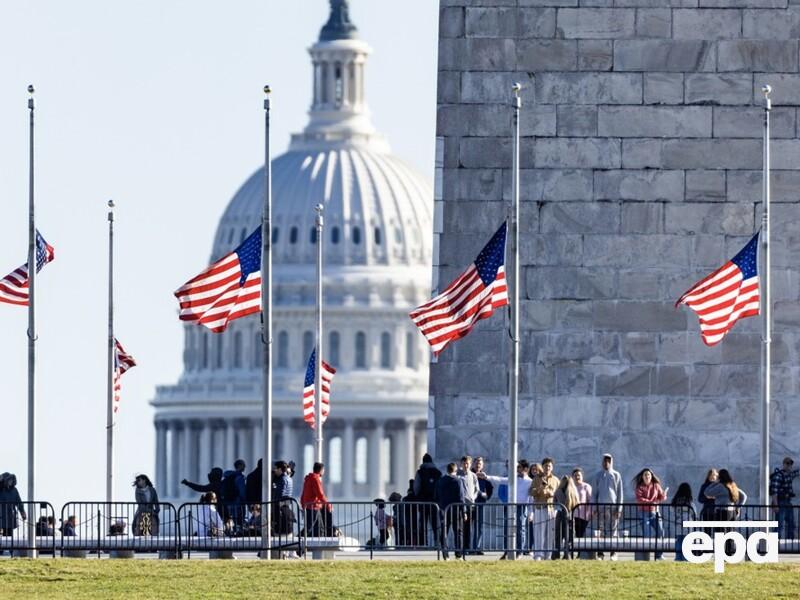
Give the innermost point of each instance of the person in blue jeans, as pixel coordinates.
(521, 504)
(649, 495)
(781, 493)
(484, 495)
(683, 509)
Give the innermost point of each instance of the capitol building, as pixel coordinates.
(377, 252)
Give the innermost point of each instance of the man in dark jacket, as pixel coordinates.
(214, 485)
(234, 492)
(252, 485)
(424, 489)
(449, 491)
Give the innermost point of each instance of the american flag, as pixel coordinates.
(227, 290)
(730, 293)
(473, 296)
(308, 389)
(122, 362)
(14, 286)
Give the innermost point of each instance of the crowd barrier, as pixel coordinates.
(118, 528)
(787, 518)
(599, 528)
(223, 530)
(539, 529)
(371, 526)
(27, 526)
(123, 529)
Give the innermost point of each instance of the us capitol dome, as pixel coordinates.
(377, 267)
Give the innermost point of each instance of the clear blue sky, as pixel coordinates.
(158, 105)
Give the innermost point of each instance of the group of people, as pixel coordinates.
(548, 509)
(545, 503)
(231, 502)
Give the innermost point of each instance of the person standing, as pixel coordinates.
(607, 489)
(234, 492)
(145, 520)
(449, 491)
(316, 506)
(707, 503)
(425, 480)
(214, 485)
(567, 497)
(520, 504)
(209, 523)
(486, 489)
(252, 484)
(728, 499)
(584, 512)
(542, 491)
(683, 509)
(469, 482)
(781, 493)
(10, 504)
(283, 517)
(649, 494)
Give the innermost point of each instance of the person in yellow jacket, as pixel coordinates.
(543, 488)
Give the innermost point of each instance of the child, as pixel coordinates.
(382, 521)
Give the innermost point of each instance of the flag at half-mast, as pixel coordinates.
(327, 373)
(473, 296)
(14, 286)
(122, 362)
(227, 290)
(730, 293)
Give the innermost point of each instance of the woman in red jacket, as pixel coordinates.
(317, 508)
(649, 495)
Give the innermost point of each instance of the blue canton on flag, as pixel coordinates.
(730, 293)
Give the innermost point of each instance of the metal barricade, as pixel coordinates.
(27, 526)
(786, 517)
(204, 528)
(599, 528)
(541, 530)
(371, 526)
(118, 528)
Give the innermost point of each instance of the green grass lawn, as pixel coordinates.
(87, 579)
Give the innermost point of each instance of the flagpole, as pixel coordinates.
(110, 369)
(266, 335)
(766, 363)
(31, 334)
(514, 371)
(318, 437)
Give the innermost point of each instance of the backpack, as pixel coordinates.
(230, 491)
(428, 477)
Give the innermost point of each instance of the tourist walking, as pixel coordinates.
(781, 493)
(683, 509)
(607, 489)
(649, 494)
(318, 511)
(10, 504)
(145, 520)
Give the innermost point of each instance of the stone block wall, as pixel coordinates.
(640, 173)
